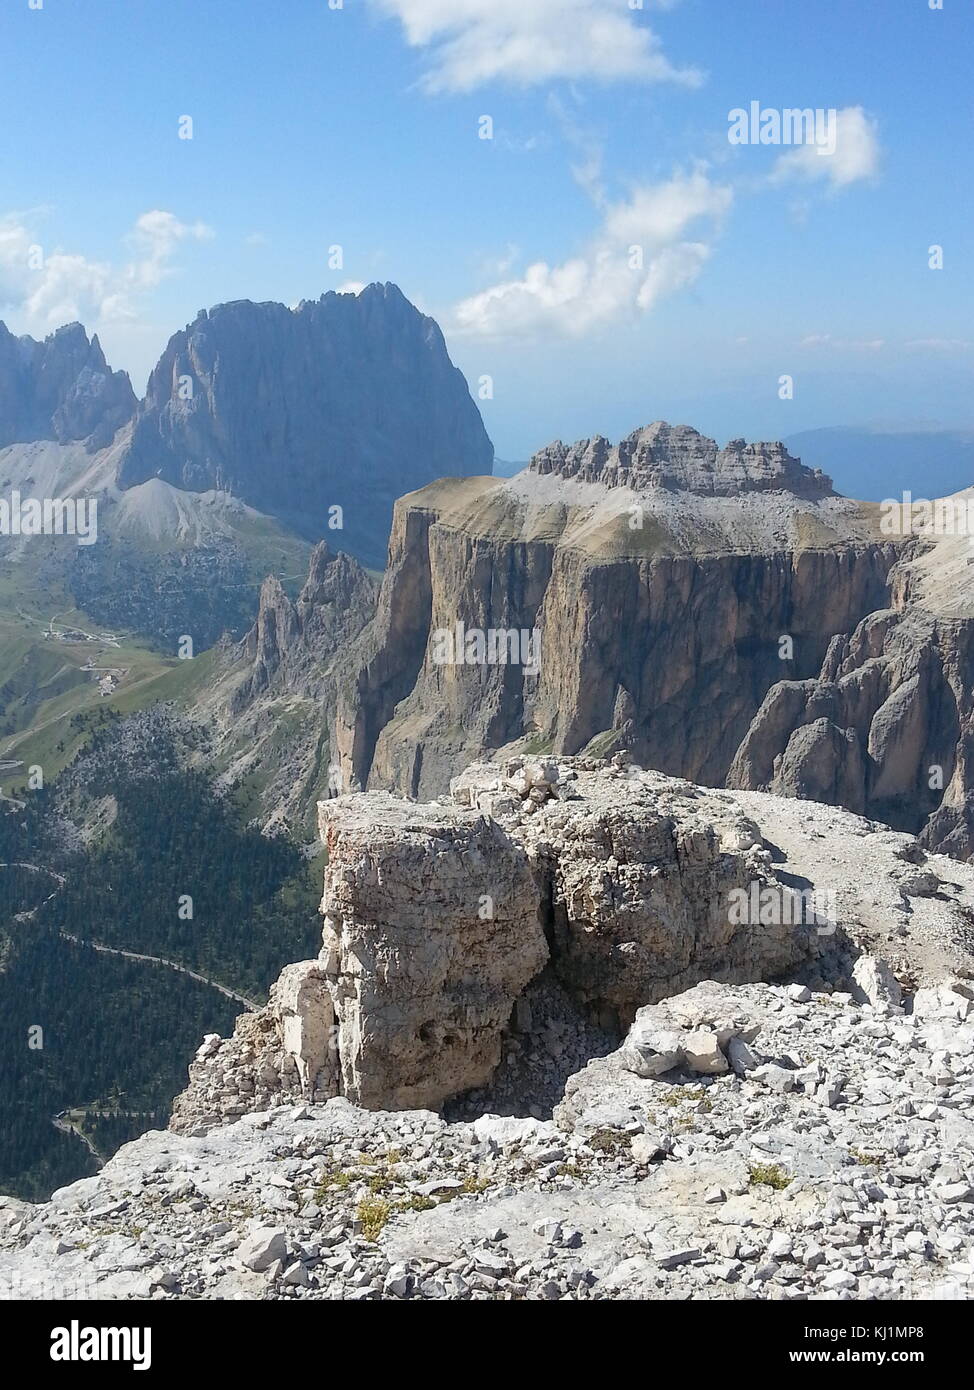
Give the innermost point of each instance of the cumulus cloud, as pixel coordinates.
(530, 42)
(855, 154)
(642, 251)
(154, 240)
(46, 287)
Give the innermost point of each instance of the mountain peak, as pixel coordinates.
(680, 458)
(61, 388)
(319, 415)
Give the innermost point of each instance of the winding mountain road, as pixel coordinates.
(225, 990)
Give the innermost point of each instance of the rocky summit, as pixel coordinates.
(678, 457)
(60, 389)
(343, 402)
(576, 1031)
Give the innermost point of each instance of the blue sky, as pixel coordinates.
(359, 126)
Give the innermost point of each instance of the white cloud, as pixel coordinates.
(501, 264)
(938, 344)
(641, 252)
(855, 155)
(823, 340)
(45, 288)
(351, 287)
(530, 42)
(587, 171)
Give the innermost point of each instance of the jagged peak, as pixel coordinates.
(680, 458)
(60, 388)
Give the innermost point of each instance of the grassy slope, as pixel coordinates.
(48, 686)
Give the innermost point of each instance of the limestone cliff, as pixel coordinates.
(271, 699)
(886, 726)
(658, 578)
(721, 615)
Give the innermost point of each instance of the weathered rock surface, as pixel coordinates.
(665, 587)
(469, 940)
(676, 456)
(281, 676)
(60, 389)
(291, 645)
(346, 401)
(432, 930)
(285, 1051)
(658, 577)
(886, 726)
(853, 1181)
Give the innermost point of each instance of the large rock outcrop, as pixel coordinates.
(680, 458)
(344, 402)
(619, 887)
(272, 695)
(290, 645)
(433, 928)
(60, 389)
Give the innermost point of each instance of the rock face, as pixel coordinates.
(290, 644)
(886, 726)
(678, 457)
(622, 881)
(273, 693)
(656, 581)
(284, 1051)
(614, 886)
(432, 930)
(346, 401)
(718, 614)
(60, 389)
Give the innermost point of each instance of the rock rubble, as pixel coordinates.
(835, 1161)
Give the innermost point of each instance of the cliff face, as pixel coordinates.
(730, 620)
(60, 389)
(649, 587)
(347, 401)
(290, 645)
(271, 699)
(886, 727)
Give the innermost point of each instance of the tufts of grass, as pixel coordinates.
(768, 1175)
(373, 1213)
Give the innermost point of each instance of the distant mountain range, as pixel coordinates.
(61, 389)
(345, 402)
(872, 463)
(263, 430)
(320, 416)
